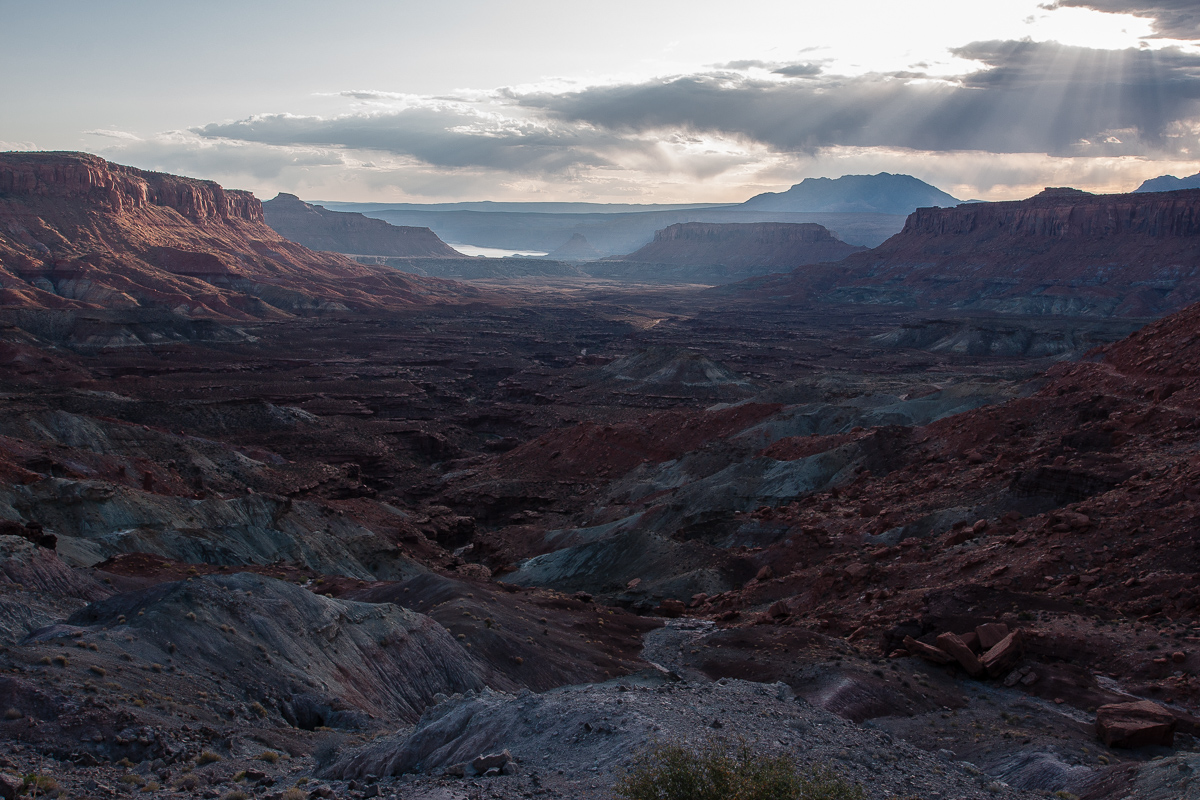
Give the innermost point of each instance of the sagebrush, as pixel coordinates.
(719, 770)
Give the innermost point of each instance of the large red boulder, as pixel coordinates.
(955, 646)
(1135, 724)
(1003, 656)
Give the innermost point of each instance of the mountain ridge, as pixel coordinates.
(882, 193)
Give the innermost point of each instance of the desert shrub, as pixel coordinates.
(327, 751)
(258, 709)
(294, 793)
(39, 786)
(207, 757)
(718, 770)
(269, 756)
(235, 794)
(187, 783)
(12, 713)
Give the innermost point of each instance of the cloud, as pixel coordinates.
(184, 153)
(801, 70)
(110, 134)
(446, 135)
(1019, 107)
(1027, 97)
(1173, 19)
(798, 70)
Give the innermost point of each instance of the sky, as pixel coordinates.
(652, 101)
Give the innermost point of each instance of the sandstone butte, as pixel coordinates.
(740, 245)
(78, 232)
(319, 228)
(1061, 252)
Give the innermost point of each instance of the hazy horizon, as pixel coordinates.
(634, 103)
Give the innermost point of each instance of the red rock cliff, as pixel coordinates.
(1061, 252)
(84, 178)
(1065, 214)
(79, 232)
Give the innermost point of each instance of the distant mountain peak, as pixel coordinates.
(883, 193)
(1169, 183)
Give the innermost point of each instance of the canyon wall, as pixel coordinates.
(1060, 252)
(79, 232)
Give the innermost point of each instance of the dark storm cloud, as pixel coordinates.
(799, 70)
(1033, 97)
(805, 70)
(1027, 97)
(1173, 19)
(445, 136)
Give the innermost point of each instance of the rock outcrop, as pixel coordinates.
(317, 660)
(318, 228)
(1061, 252)
(780, 245)
(77, 232)
(1135, 724)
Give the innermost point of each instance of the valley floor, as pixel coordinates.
(349, 554)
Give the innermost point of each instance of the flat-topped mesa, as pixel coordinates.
(82, 177)
(777, 244)
(1064, 213)
(319, 228)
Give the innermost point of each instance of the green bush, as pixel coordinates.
(718, 770)
(39, 786)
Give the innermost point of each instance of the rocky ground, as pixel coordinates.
(644, 511)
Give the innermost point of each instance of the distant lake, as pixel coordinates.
(493, 252)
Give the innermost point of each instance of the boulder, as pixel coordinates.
(1135, 724)
(927, 651)
(491, 761)
(10, 787)
(778, 609)
(956, 647)
(1004, 655)
(670, 608)
(990, 634)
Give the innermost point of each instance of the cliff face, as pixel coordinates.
(84, 178)
(319, 228)
(742, 245)
(1061, 252)
(79, 232)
